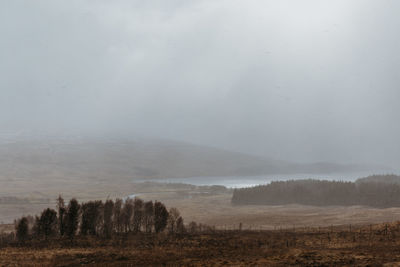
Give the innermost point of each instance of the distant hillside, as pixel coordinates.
(389, 179)
(141, 159)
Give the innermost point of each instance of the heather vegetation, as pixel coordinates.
(346, 245)
(320, 193)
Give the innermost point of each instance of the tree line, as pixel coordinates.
(320, 193)
(387, 178)
(103, 219)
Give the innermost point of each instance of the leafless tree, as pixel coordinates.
(72, 218)
(192, 227)
(126, 214)
(172, 219)
(117, 215)
(160, 217)
(137, 214)
(21, 228)
(61, 214)
(47, 224)
(108, 218)
(91, 217)
(180, 227)
(148, 219)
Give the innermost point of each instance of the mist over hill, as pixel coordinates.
(102, 158)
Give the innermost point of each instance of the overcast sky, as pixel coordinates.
(310, 80)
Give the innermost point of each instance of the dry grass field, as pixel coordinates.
(290, 235)
(377, 245)
(201, 205)
(217, 210)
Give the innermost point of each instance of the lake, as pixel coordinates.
(248, 181)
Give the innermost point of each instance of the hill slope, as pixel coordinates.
(139, 159)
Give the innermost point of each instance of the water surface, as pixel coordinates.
(247, 181)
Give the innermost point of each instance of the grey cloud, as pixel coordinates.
(298, 80)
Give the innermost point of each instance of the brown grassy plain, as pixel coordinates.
(377, 245)
(304, 235)
(196, 205)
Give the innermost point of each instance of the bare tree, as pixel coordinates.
(148, 219)
(192, 227)
(108, 218)
(117, 215)
(172, 219)
(36, 231)
(180, 226)
(160, 217)
(47, 223)
(61, 214)
(85, 218)
(22, 229)
(137, 214)
(91, 217)
(72, 218)
(127, 214)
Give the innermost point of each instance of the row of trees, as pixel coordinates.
(100, 218)
(386, 178)
(320, 193)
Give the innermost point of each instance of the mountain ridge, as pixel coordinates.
(139, 158)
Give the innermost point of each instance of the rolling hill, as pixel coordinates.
(138, 159)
